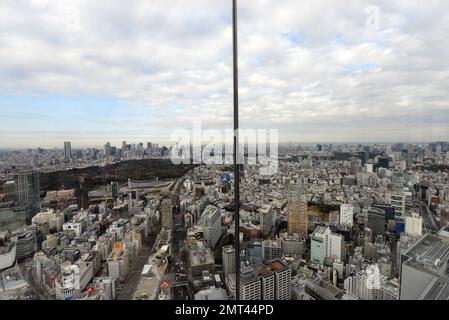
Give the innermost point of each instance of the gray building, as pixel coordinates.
(228, 260)
(424, 271)
(376, 221)
(67, 150)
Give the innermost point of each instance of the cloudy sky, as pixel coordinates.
(319, 71)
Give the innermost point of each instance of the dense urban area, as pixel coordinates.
(335, 222)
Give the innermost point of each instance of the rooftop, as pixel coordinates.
(429, 254)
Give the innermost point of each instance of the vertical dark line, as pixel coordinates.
(236, 149)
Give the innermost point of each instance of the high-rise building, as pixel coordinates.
(107, 149)
(376, 220)
(282, 279)
(28, 191)
(271, 249)
(292, 244)
(228, 260)
(326, 244)
(10, 191)
(347, 215)
(413, 224)
(211, 221)
(297, 210)
(356, 166)
(266, 219)
(397, 200)
(67, 150)
(275, 280)
(267, 283)
(250, 288)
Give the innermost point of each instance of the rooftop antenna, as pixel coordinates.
(236, 166)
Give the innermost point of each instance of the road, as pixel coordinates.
(428, 220)
(133, 276)
(179, 265)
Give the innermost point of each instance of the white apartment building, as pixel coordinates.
(211, 221)
(325, 244)
(413, 224)
(347, 215)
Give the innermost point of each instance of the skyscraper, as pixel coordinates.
(10, 191)
(376, 220)
(27, 189)
(228, 260)
(297, 210)
(347, 215)
(211, 221)
(107, 150)
(266, 219)
(67, 150)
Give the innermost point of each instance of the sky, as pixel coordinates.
(317, 71)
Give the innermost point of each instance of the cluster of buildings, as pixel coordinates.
(341, 219)
(344, 222)
(84, 253)
(60, 159)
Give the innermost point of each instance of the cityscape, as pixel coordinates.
(331, 182)
(336, 222)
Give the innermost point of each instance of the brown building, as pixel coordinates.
(297, 210)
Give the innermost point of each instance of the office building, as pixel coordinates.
(211, 222)
(28, 191)
(271, 249)
(292, 244)
(107, 150)
(376, 220)
(9, 189)
(413, 224)
(397, 200)
(201, 259)
(118, 263)
(228, 260)
(347, 215)
(297, 210)
(266, 219)
(326, 244)
(67, 150)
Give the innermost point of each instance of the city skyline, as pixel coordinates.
(91, 72)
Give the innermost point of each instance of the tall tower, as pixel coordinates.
(297, 210)
(67, 150)
(28, 191)
(107, 149)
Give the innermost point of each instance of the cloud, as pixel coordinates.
(312, 69)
